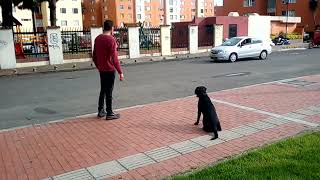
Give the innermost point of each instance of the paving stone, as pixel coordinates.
(186, 147)
(294, 115)
(245, 130)
(307, 112)
(106, 170)
(228, 135)
(136, 161)
(314, 108)
(163, 153)
(205, 141)
(277, 121)
(81, 174)
(261, 125)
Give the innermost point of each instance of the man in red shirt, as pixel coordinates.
(105, 57)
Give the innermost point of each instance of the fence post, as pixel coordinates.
(193, 39)
(95, 31)
(55, 45)
(165, 33)
(7, 52)
(218, 34)
(134, 42)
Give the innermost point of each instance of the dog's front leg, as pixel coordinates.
(198, 117)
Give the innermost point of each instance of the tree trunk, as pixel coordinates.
(7, 14)
(52, 7)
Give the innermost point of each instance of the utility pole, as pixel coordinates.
(287, 3)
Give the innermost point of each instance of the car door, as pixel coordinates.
(256, 47)
(245, 48)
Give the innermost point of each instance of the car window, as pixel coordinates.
(231, 42)
(256, 41)
(246, 42)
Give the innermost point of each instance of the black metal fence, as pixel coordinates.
(179, 38)
(205, 36)
(76, 43)
(149, 40)
(121, 35)
(31, 46)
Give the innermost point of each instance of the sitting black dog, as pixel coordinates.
(210, 121)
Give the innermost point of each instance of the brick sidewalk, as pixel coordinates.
(159, 139)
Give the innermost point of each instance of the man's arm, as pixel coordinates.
(115, 59)
(94, 55)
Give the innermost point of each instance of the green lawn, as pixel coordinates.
(295, 158)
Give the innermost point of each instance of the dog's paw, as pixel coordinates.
(214, 138)
(196, 123)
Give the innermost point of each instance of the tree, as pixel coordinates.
(53, 14)
(313, 5)
(7, 5)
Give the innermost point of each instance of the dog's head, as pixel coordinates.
(200, 91)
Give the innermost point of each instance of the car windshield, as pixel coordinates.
(231, 42)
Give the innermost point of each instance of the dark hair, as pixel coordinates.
(107, 25)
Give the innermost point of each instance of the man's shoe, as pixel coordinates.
(112, 116)
(101, 113)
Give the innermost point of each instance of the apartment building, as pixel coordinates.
(69, 14)
(92, 13)
(299, 8)
(148, 12)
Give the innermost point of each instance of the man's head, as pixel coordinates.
(108, 26)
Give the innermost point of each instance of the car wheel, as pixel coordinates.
(263, 55)
(233, 57)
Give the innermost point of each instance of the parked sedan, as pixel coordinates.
(241, 47)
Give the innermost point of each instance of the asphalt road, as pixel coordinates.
(39, 98)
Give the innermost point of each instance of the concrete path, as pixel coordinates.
(157, 140)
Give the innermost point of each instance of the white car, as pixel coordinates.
(241, 47)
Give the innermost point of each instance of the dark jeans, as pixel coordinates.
(106, 82)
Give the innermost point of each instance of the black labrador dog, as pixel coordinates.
(210, 120)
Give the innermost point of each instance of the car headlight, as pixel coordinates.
(222, 52)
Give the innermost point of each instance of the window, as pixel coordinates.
(63, 10)
(92, 10)
(171, 17)
(193, 10)
(122, 15)
(129, 7)
(139, 16)
(75, 10)
(25, 19)
(170, 2)
(249, 3)
(175, 17)
(256, 41)
(64, 23)
(246, 42)
(233, 30)
(218, 3)
(182, 17)
(105, 8)
(93, 18)
(148, 16)
(291, 13)
(171, 10)
(147, 8)
(76, 23)
(201, 10)
(121, 7)
(106, 16)
(288, 1)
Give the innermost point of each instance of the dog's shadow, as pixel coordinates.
(176, 128)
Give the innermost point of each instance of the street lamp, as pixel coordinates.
(287, 3)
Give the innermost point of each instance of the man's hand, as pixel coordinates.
(196, 123)
(121, 77)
